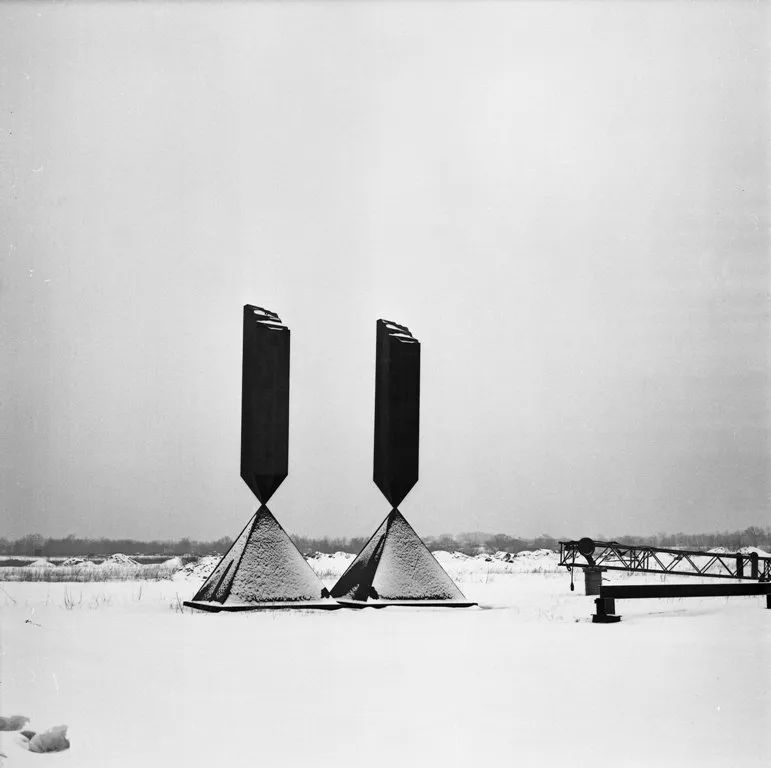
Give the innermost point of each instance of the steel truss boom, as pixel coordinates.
(586, 553)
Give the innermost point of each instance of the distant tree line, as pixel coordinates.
(39, 546)
(754, 536)
(468, 543)
(308, 545)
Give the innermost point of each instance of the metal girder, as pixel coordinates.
(605, 604)
(613, 556)
(642, 591)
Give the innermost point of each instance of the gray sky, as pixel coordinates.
(567, 203)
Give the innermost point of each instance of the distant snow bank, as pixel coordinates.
(199, 569)
(328, 566)
(331, 566)
(465, 566)
(117, 567)
(118, 559)
(740, 551)
(458, 565)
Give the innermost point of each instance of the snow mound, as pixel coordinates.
(473, 567)
(77, 562)
(118, 559)
(41, 562)
(71, 562)
(329, 565)
(172, 562)
(754, 550)
(444, 557)
(325, 557)
(536, 553)
(740, 551)
(201, 568)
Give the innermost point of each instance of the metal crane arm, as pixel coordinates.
(586, 553)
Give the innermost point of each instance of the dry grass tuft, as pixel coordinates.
(97, 573)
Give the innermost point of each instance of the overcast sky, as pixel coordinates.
(567, 203)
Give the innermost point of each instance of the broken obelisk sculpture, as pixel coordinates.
(263, 568)
(395, 566)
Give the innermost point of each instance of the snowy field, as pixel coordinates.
(525, 679)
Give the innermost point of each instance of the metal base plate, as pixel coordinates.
(213, 607)
(610, 618)
(406, 603)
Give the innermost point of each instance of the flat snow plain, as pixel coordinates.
(523, 680)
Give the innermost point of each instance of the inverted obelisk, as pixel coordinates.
(397, 410)
(263, 568)
(395, 567)
(264, 402)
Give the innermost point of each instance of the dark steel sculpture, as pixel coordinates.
(395, 567)
(263, 568)
(397, 410)
(264, 402)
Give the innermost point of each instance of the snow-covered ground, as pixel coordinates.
(523, 680)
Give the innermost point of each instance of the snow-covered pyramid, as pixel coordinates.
(396, 568)
(263, 568)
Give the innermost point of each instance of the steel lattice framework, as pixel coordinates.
(610, 555)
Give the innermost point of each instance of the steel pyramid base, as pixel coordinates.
(215, 607)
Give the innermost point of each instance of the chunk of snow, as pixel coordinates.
(13, 723)
(52, 740)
